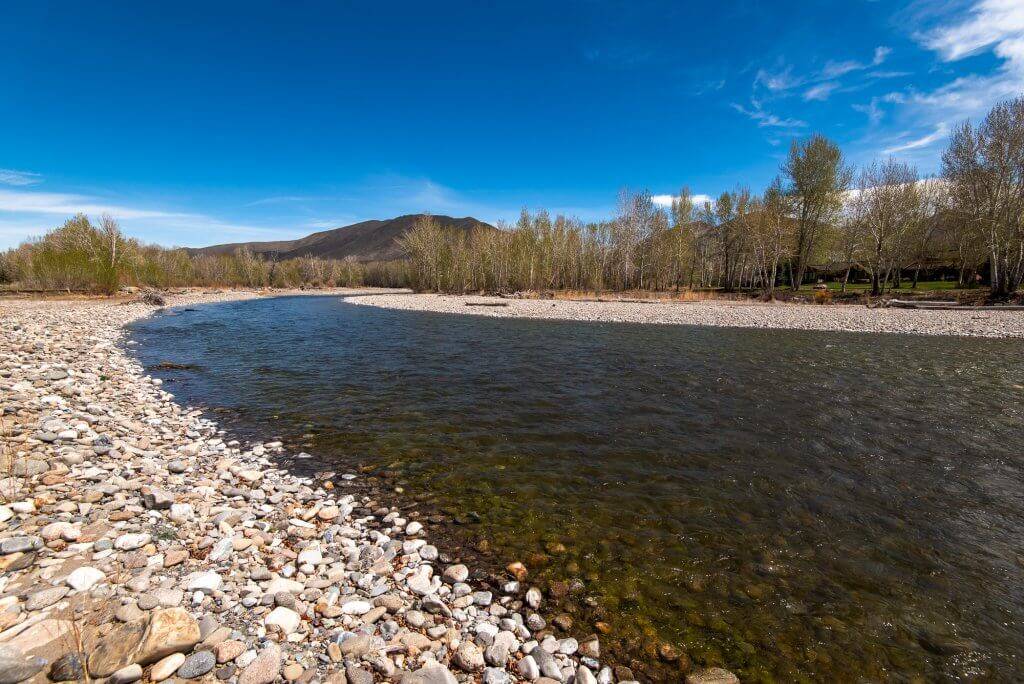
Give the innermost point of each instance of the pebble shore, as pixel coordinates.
(849, 318)
(138, 542)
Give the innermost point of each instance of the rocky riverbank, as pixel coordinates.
(139, 542)
(721, 314)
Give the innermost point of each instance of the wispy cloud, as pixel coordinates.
(284, 199)
(940, 133)
(995, 26)
(69, 204)
(766, 119)
(15, 177)
(820, 92)
(24, 213)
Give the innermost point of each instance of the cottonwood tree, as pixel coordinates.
(984, 166)
(817, 177)
(884, 207)
(768, 232)
(682, 238)
(925, 231)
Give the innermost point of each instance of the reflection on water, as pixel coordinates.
(793, 505)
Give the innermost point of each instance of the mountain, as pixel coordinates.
(366, 241)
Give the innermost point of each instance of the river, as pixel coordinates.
(792, 505)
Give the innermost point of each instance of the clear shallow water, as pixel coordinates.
(792, 505)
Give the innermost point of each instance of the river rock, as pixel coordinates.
(165, 667)
(456, 573)
(67, 668)
(285, 619)
(157, 499)
(45, 598)
(197, 664)
(265, 668)
(528, 668)
(496, 675)
(126, 675)
(547, 663)
(130, 542)
(117, 649)
(15, 666)
(468, 657)
(498, 652)
(712, 675)
(170, 630)
(434, 674)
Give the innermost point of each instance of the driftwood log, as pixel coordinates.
(950, 306)
(486, 303)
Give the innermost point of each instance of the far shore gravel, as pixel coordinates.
(139, 542)
(850, 318)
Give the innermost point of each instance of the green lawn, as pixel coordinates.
(922, 286)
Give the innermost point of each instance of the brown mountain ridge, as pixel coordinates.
(375, 240)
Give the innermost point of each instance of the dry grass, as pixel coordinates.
(7, 460)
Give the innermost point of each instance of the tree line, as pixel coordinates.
(819, 215)
(79, 256)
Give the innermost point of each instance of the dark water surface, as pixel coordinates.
(792, 505)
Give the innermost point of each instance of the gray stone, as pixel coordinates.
(15, 666)
(67, 668)
(20, 545)
(45, 598)
(497, 653)
(197, 664)
(496, 675)
(547, 664)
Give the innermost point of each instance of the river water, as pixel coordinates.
(792, 505)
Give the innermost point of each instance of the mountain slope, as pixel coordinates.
(367, 241)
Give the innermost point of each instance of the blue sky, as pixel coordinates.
(212, 122)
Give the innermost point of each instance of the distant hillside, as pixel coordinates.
(366, 241)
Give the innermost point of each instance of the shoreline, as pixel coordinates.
(755, 315)
(136, 531)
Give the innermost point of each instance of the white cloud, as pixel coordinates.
(881, 54)
(820, 92)
(666, 200)
(999, 22)
(15, 177)
(940, 133)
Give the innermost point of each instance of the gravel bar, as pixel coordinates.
(849, 318)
